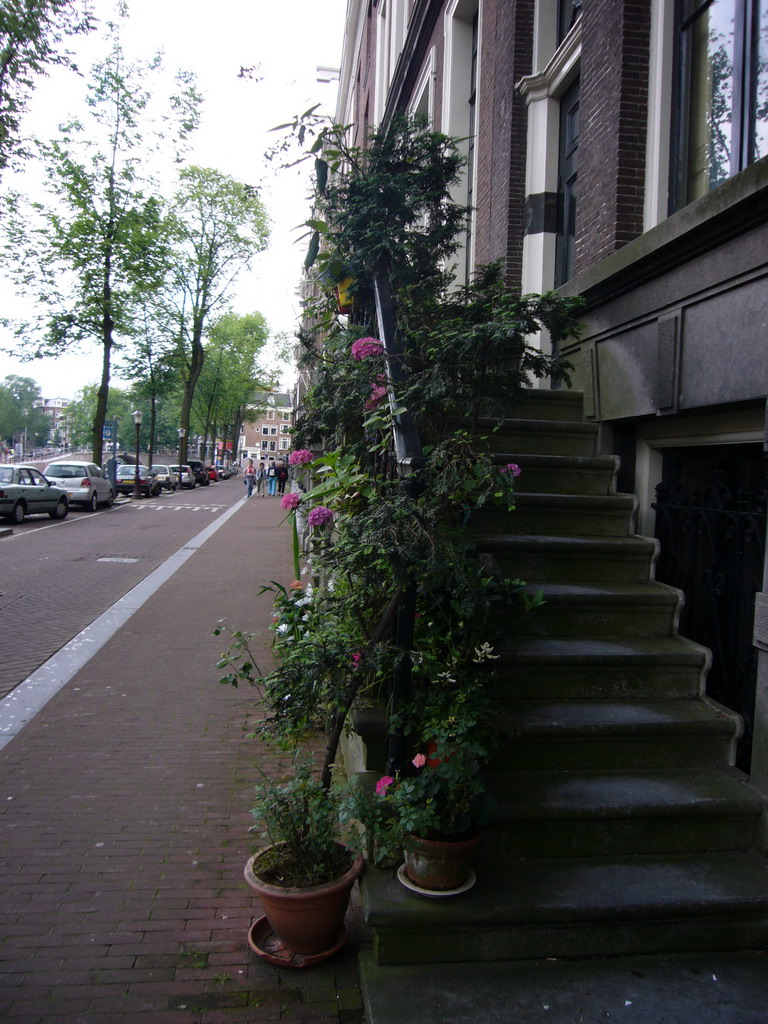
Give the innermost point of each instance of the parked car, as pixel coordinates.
(185, 475)
(166, 477)
(200, 471)
(84, 483)
(24, 491)
(148, 483)
(223, 471)
(213, 473)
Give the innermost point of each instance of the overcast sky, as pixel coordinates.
(286, 42)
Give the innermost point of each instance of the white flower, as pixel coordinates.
(484, 653)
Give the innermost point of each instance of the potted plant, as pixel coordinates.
(434, 808)
(305, 875)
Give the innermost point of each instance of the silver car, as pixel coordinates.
(185, 476)
(84, 483)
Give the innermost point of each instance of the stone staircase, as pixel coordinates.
(621, 825)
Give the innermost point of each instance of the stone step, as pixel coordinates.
(582, 668)
(545, 404)
(578, 515)
(705, 987)
(575, 907)
(593, 814)
(559, 474)
(631, 609)
(541, 437)
(583, 735)
(553, 559)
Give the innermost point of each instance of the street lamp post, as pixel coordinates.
(182, 434)
(138, 416)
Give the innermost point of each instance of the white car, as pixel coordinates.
(165, 476)
(84, 483)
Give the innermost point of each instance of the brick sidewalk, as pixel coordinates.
(124, 809)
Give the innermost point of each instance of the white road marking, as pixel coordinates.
(178, 508)
(30, 696)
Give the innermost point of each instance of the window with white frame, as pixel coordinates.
(721, 115)
(423, 103)
(284, 443)
(461, 78)
(551, 164)
(391, 27)
(265, 429)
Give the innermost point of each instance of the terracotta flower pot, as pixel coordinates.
(439, 864)
(306, 920)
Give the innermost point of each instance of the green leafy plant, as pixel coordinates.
(300, 819)
(378, 545)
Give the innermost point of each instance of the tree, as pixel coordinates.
(151, 367)
(19, 411)
(81, 411)
(219, 226)
(31, 35)
(230, 375)
(86, 258)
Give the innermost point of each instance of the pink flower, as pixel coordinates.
(363, 348)
(290, 502)
(511, 467)
(378, 391)
(296, 585)
(300, 457)
(356, 658)
(319, 516)
(383, 784)
(419, 761)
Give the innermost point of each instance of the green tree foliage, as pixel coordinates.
(219, 226)
(230, 376)
(32, 34)
(99, 245)
(80, 414)
(18, 412)
(150, 365)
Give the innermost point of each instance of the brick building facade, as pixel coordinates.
(616, 150)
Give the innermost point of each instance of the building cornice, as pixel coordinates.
(558, 72)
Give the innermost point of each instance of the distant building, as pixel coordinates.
(55, 409)
(267, 436)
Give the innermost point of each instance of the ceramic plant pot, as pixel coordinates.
(307, 920)
(439, 864)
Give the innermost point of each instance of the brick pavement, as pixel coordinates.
(124, 809)
(53, 584)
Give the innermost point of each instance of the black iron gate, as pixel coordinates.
(711, 525)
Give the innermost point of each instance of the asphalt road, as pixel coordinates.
(57, 577)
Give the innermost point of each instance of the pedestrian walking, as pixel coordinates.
(250, 477)
(282, 477)
(261, 480)
(271, 479)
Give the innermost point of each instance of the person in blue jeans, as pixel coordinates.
(250, 476)
(271, 479)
